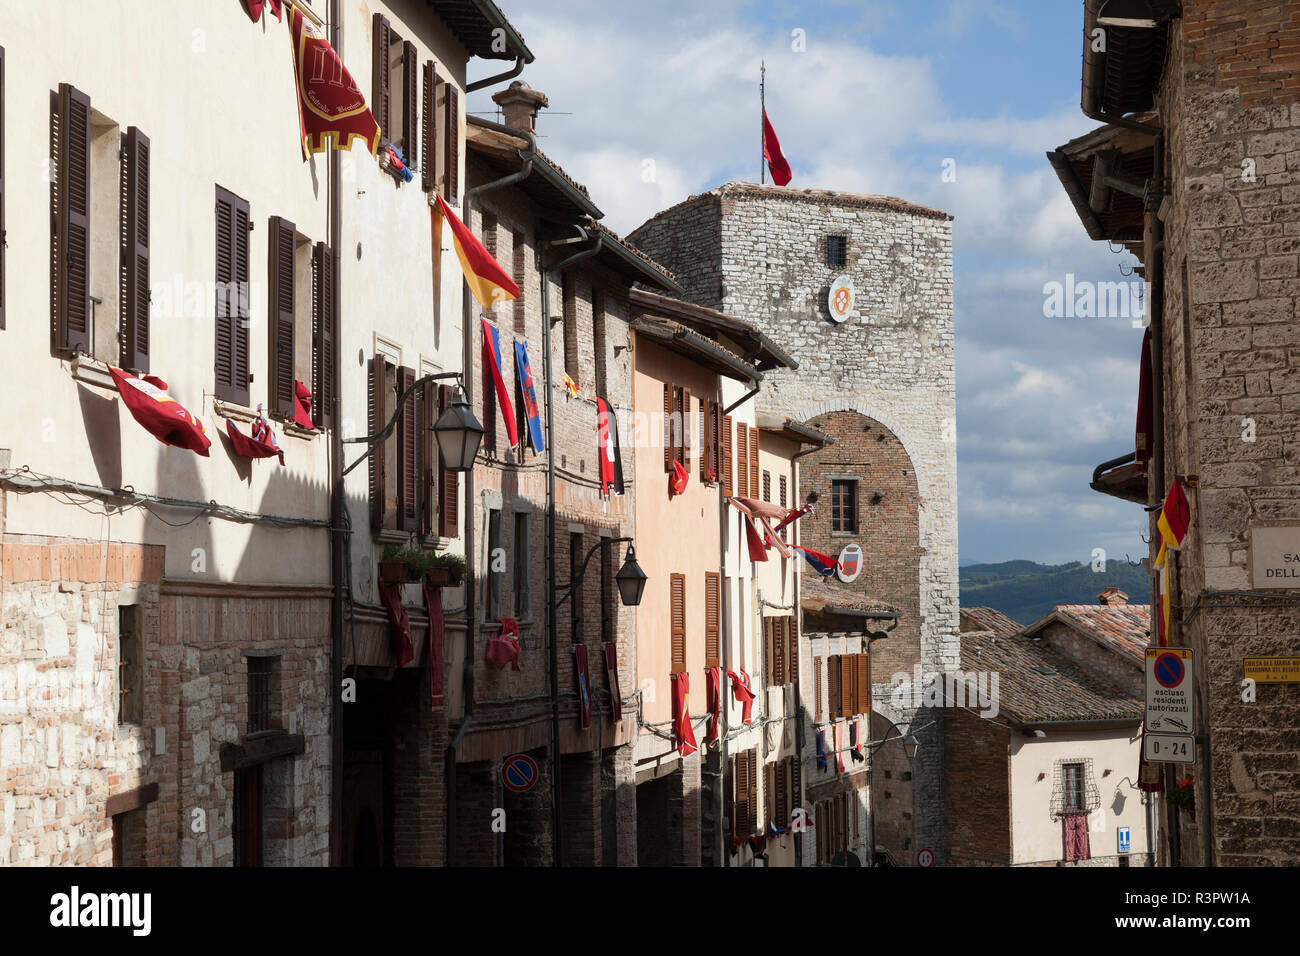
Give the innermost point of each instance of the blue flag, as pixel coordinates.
(534, 416)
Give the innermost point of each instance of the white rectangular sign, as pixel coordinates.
(1169, 748)
(1275, 556)
(1169, 690)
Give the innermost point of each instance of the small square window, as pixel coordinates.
(844, 506)
(837, 251)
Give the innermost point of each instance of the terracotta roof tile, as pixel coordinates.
(989, 619)
(1125, 628)
(820, 595)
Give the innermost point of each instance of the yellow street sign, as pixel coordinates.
(1271, 670)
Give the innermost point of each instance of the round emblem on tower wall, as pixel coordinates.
(839, 300)
(850, 563)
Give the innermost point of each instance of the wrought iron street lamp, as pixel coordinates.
(457, 432)
(630, 578)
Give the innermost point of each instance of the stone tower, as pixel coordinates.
(880, 380)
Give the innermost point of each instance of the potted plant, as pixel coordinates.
(1183, 796)
(403, 565)
(445, 570)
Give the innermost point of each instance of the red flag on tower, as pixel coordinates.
(776, 161)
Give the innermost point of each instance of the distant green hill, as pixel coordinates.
(1025, 590)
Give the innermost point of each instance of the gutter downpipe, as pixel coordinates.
(551, 632)
(467, 371)
(509, 74)
(339, 546)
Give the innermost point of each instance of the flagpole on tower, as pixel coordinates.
(762, 99)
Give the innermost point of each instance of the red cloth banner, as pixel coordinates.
(776, 162)
(390, 595)
(504, 648)
(756, 550)
(249, 447)
(302, 405)
(437, 643)
(1076, 837)
(740, 690)
(679, 479)
(329, 102)
(713, 699)
(584, 685)
(683, 732)
(254, 8)
(611, 675)
(160, 414)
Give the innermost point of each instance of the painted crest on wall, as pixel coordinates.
(850, 563)
(839, 300)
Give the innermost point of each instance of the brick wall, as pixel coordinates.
(1230, 103)
(979, 795)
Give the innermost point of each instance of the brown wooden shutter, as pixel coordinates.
(768, 801)
(706, 436)
(322, 336)
(848, 685)
(864, 684)
(722, 447)
(767, 486)
(452, 126)
(752, 768)
(72, 226)
(833, 687)
(784, 490)
(429, 126)
(740, 804)
(410, 99)
(742, 460)
(408, 454)
(448, 483)
(380, 90)
(796, 781)
(753, 462)
(817, 688)
(781, 812)
(777, 628)
(135, 254)
(232, 298)
(768, 667)
(712, 616)
(428, 449)
(281, 245)
(378, 418)
(668, 426)
(677, 613)
(792, 645)
(685, 447)
(2, 187)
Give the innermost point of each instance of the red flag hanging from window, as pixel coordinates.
(776, 162)
(329, 102)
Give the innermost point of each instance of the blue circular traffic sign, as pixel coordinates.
(1169, 670)
(519, 773)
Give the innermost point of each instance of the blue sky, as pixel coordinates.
(883, 93)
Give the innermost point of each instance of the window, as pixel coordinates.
(262, 695)
(781, 650)
(844, 506)
(767, 486)
(576, 554)
(451, 142)
(429, 129)
(712, 616)
(837, 248)
(1072, 784)
(294, 315)
(677, 615)
(523, 598)
(405, 503)
(677, 403)
(782, 501)
(569, 312)
(744, 804)
(130, 664)
(394, 77)
(496, 566)
(519, 262)
(232, 315)
(850, 685)
(322, 334)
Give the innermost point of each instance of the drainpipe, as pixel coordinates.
(720, 837)
(338, 541)
(467, 366)
(551, 633)
(509, 74)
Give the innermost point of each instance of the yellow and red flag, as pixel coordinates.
(1175, 518)
(570, 386)
(329, 101)
(487, 280)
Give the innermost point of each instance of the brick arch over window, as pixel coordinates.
(884, 496)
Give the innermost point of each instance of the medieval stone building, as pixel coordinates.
(875, 373)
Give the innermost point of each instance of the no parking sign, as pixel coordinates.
(519, 773)
(1169, 690)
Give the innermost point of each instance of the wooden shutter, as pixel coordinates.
(726, 455)
(833, 687)
(716, 423)
(781, 794)
(668, 426)
(2, 187)
(408, 455)
(380, 91)
(72, 225)
(378, 418)
(796, 781)
(410, 99)
(428, 449)
(767, 486)
(685, 447)
(739, 804)
(792, 648)
(752, 768)
(677, 612)
(232, 298)
(768, 784)
(706, 438)
(817, 688)
(322, 335)
(863, 666)
(848, 685)
(429, 127)
(768, 667)
(753, 462)
(742, 460)
(783, 490)
(452, 128)
(448, 483)
(776, 627)
(712, 616)
(281, 246)
(134, 352)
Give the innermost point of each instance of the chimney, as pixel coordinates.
(520, 103)
(1112, 597)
